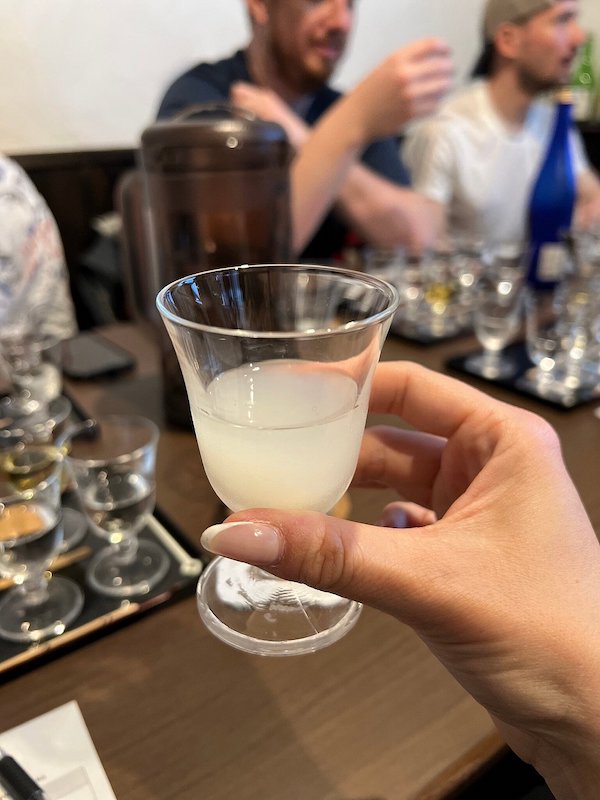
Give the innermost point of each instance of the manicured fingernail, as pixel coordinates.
(244, 541)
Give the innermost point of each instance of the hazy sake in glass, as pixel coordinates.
(277, 361)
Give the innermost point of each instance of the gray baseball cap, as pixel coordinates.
(499, 11)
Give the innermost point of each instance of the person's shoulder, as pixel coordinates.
(220, 73)
(464, 104)
(205, 82)
(15, 181)
(9, 171)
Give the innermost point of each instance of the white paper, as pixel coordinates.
(56, 749)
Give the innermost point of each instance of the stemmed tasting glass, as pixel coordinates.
(467, 265)
(497, 313)
(113, 465)
(439, 312)
(32, 361)
(32, 447)
(30, 538)
(278, 361)
(561, 343)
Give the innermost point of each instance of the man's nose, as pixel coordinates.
(578, 34)
(340, 15)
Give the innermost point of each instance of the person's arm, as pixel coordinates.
(407, 85)
(381, 212)
(501, 578)
(387, 215)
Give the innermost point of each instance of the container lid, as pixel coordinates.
(214, 137)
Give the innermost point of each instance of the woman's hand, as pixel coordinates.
(502, 582)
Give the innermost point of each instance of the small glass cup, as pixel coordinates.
(561, 343)
(113, 465)
(32, 362)
(439, 314)
(32, 446)
(30, 537)
(278, 361)
(497, 311)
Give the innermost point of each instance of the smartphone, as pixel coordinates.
(89, 355)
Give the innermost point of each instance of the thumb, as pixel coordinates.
(377, 566)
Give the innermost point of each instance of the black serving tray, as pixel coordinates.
(523, 380)
(101, 614)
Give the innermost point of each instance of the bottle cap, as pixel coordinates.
(564, 95)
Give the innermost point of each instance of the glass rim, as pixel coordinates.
(367, 278)
(123, 458)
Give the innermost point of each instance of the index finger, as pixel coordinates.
(427, 400)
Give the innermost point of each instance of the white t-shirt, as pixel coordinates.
(467, 158)
(34, 287)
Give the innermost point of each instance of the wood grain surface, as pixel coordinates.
(174, 713)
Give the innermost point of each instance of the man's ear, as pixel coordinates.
(258, 11)
(508, 40)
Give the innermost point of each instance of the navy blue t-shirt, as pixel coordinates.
(206, 83)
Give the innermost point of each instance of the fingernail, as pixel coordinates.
(244, 541)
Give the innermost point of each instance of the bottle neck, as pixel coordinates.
(562, 123)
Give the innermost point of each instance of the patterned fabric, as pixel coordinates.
(34, 289)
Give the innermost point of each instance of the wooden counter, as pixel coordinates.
(174, 713)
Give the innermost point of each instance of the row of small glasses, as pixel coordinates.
(563, 337)
(484, 289)
(561, 329)
(113, 464)
(436, 287)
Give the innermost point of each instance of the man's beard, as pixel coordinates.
(533, 83)
(297, 76)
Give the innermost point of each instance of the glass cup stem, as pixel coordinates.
(34, 590)
(125, 551)
(491, 358)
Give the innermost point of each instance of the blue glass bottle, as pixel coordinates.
(552, 203)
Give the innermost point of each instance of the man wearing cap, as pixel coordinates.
(282, 75)
(479, 156)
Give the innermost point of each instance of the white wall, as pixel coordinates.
(88, 74)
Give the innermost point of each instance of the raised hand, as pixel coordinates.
(503, 586)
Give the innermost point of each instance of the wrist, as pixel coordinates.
(569, 759)
(571, 774)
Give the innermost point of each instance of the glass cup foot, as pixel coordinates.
(110, 575)
(24, 622)
(497, 369)
(253, 611)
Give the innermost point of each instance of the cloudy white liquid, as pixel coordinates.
(280, 434)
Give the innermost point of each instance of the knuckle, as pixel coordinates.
(540, 430)
(326, 564)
